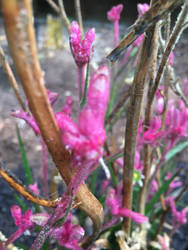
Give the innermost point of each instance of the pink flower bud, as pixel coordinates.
(142, 8)
(81, 49)
(114, 13)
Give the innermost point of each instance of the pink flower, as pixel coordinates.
(176, 121)
(142, 8)
(81, 49)
(87, 137)
(114, 13)
(34, 188)
(139, 218)
(52, 96)
(68, 235)
(22, 221)
(174, 184)
(153, 134)
(113, 202)
(179, 217)
(114, 16)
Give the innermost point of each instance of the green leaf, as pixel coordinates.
(27, 169)
(175, 150)
(156, 197)
(20, 202)
(134, 52)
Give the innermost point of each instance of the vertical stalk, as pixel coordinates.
(81, 71)
(18, 21)
(64, 15)
(146, 124)
(116, 33)
(133, 116)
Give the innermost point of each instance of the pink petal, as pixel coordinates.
(139, 218)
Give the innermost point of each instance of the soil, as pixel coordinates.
(61, 77)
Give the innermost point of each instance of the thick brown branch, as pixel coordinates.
(18, 18)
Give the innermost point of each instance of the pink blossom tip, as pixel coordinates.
(81, 49)
(142, 8)
(114, 14)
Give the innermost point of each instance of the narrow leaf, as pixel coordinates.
(27, 169)
(175, 150)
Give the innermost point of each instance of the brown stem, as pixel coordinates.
(147, 148)
(54, 6)
(133, 116)
(11, 78)
(61, 11)
(173, 40)
(26, 193)
(79, 15)
(64, 15)
(17, 15)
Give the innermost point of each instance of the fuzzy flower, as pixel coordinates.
(176, 121)
(86, 138)
(81, 49)
(114, 16)
(21, 221)
(142, 8)
(153, 134)
(68, 235)
(113, 202)
(114, 13)
(29, 119)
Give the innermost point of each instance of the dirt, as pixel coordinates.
(61, 77)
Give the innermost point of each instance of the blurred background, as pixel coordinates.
(95, 9)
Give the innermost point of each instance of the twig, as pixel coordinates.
(178, 29)
(18, 22)
(64, 15)
(147, 148)
(54, 6)
(79, 15)
(149, 18)
(133, 116)
(12, 79)
(61, 11)
(24, 191)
